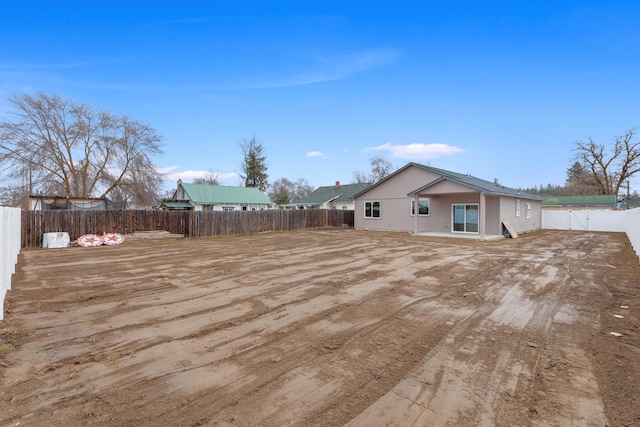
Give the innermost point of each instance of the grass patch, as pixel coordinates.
(4, 348)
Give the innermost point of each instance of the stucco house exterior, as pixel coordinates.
(423, 199)
(203, 197)
(338, 196)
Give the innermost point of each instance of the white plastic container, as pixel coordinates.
(56, 240)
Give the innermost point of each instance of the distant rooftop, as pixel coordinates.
(599, 200)
(338, 193)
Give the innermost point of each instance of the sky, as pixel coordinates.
(497, 89)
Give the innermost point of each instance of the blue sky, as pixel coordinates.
(497, 89)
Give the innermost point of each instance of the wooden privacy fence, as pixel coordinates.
(187, 223)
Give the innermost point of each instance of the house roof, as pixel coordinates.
(342, 193)
(177, 204)
(599, 200)
(486, 187)
(214, 194)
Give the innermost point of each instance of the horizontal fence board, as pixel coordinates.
(190, 224)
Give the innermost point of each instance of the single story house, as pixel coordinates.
(424, 199)
(600, 202)
(205, 197)
(338, 196)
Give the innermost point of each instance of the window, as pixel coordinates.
(228, 208)
(372, 209)
(527, 210)
(517, 207)
(465, 219)
(423, 206)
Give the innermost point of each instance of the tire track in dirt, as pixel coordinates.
(454, 384)
(314, 328)
(118, 347)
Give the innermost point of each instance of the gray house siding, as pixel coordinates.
(439, 219)
(395, 205)
(441, 216)
(444, 190)
(492, 213)
(521, 223)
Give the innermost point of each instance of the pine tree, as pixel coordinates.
(254, 166)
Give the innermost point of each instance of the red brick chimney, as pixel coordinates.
(337, 184)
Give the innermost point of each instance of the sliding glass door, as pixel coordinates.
(465, 219)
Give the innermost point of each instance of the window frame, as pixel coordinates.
(372, 210)
(517, 208)
(527, 210)
(413, 206)
(465, 223)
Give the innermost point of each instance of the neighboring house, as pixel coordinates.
(206, 197)
(56, 203)
(579, 202)
(423, 199)
(337, 196)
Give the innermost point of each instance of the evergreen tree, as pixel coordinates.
(254, 166)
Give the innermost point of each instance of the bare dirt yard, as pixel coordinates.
(326, 328)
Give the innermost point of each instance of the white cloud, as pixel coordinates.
(417, 151)
(317, 154)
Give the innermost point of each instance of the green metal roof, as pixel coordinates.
(177, 204)
(600, 200)
(214, 194)
(342, 193)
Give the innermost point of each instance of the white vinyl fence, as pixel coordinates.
(633, 228)
(10, 232)
(584, 220)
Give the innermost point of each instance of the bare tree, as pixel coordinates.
(283, 190)
(209, 178)
(301, 189)
(360, 177)
(380, 168)
(61, 146)
(605, 171)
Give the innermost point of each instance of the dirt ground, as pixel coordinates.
(326, 328)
